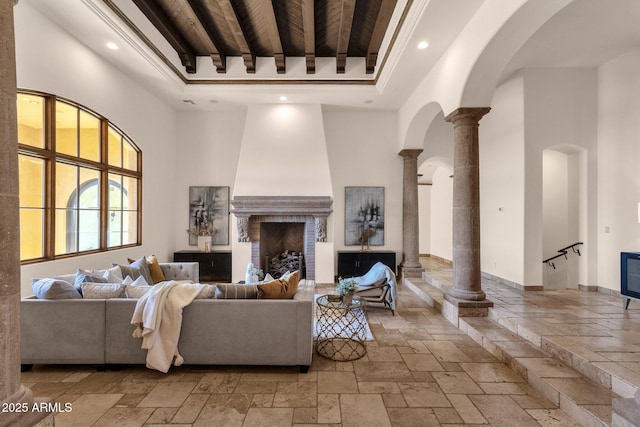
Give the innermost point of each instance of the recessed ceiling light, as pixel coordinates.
(369, 101)
(423, 44)
(112, 45)
(283, 98)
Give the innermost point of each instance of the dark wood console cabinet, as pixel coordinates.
(357, 263)
(214, 266)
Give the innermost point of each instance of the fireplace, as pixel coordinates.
(277, 224)
(282, 246)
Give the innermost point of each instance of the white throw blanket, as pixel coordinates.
(374, 276)
(158, 319)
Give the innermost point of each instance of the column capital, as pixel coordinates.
(467, 115)
(410, 153)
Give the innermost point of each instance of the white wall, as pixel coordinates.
(283, 152)
(362, 152)
(437, 155)
(442, 214)
(560, 111)
(534, 110)
(618, 160)
(424, 212)
(207, 155)
(51, 61)
(502, 216)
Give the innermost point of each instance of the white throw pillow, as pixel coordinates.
(140, 281)
(113, 274)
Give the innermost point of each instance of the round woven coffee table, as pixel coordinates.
(341, 329)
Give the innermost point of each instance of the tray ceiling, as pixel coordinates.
(278, 29)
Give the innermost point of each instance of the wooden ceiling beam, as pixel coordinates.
(239, 36)
(308, 25)
(344, 34)
(160, 20)
(194, 15)
(272, 29)
(382, 22)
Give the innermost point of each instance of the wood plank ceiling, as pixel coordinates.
(271, 28)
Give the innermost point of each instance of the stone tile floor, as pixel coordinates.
(419, 371)
(580, 349)
(570, 324)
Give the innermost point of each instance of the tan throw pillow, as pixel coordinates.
(283, 288)
(157, 275)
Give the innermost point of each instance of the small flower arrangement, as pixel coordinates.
(203, 229)
(346, 287)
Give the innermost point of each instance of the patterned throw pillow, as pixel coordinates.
(283, 288)
(54, 289)
(103, 290)
(236, 291)
(136, 292)
(207, 292)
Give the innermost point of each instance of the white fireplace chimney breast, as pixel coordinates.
(284, 152)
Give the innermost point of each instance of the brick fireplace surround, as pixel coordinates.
(313, 211)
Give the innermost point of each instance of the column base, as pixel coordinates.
(33, 416)
(405, 270)
(454, 308)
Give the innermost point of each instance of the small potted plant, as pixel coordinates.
(346, 289)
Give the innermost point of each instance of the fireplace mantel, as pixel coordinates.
(281, 205)
(318, 207)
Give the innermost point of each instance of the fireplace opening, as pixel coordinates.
(282, 247)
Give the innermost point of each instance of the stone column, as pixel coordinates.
(467, 288)
(11, 391)
(410, 265)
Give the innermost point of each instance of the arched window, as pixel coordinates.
(80, 180)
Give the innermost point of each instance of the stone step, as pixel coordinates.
(611, 375)
(583, 393)
(586, 402)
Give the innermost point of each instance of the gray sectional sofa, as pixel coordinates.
(214, 331)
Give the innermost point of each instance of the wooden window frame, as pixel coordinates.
(51, 158)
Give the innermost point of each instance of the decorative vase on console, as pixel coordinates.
(204, 231)
(204, 243)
